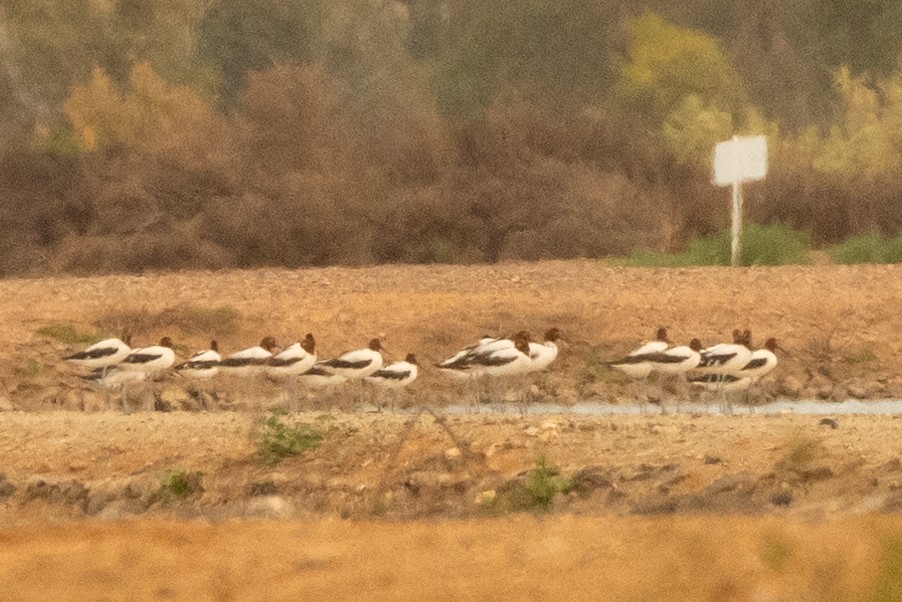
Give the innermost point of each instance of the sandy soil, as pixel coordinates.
(178, 505)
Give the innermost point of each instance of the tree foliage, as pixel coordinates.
(163, 134)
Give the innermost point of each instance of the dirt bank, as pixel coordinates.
(839, 323)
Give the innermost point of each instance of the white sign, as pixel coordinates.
(742, 159)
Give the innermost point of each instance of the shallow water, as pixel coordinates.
(851, 406)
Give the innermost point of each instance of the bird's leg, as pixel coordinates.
(124, 399)
(748, 396)
(643, 394)
(663, 382)
(293, 393)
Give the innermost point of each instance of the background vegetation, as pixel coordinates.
(151, 134)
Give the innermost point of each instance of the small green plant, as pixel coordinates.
(278, 440)
(544, 483)
(67, 334)
(178, 485)
(535, 494)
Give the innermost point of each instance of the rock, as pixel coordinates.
(431, 479)
(816, 473)
(587, 480)
(726, 484)
(453, 453)
(270, 506)
(790, 387)
(667, 506)
(485, 497)
(668, 484)
(781, 499)
(532, 431)
(69, 492)
(858, 391)
(709, 459)
(101, 494)
(493, 449)
(547, 436)
(6, 488)
(176, 398)
(828, 422)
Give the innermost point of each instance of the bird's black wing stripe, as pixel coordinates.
(461, 363)
(281, 362)
(489, 360)
(141, 358)
(715, 360)
(93, 354)
(240, 362)
(663, 358)
(317, 371)
(203, 365)
(714, 378)
(391, 374)
(340, 363)
(758, 362)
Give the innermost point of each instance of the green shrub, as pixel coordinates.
(533, 495)
(776, 244)
(278, 440)
(871, 247)
(867, 248)
(177, 485)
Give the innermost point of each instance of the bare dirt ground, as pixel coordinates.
(178, 505)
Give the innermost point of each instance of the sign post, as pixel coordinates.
(740, 159)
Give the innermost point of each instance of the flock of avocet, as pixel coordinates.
(115, 364)
(721, 368)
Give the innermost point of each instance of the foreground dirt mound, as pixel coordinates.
(359, 466)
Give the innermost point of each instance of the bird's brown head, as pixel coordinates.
(268, 343)
(376, 345)
(552, 335)
(166, 342)
(695, 345)
(308, 344)
(661, 335)
(214, 346)
(772, 345)
(411, 359)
